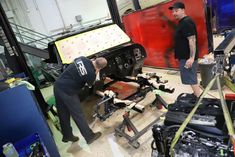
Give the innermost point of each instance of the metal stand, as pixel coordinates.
(127, 123)
(109, 109)
(145, 85)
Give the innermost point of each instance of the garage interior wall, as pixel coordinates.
(54, 16)
(123, 5)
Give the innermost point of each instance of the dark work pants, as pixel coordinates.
(69, 105)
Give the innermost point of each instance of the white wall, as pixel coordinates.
(123, 5)
(148, 3)
(39, 15)
(88, 9)
(15, 11)
(53, 16)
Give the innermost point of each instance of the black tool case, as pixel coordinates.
(205, 135)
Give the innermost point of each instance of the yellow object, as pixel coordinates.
(229, 84)
(18, 81)
(10, 80)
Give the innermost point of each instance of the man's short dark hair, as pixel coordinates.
(100, 62)
(177, 5)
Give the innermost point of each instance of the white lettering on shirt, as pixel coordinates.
(81, 68)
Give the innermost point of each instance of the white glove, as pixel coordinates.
(154, 83)
(97, 76)
(110, 93)
(127, 102)
(144, 75)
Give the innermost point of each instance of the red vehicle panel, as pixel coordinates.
(154, 29)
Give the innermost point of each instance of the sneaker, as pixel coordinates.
(95, 137)
(72, 139)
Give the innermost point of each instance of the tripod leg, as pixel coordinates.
(227, 116)
(226, 113)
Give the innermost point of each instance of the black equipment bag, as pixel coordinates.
(192, 143)
(208, 117)
(185, 103)
(205, 135)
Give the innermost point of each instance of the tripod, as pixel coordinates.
(218, 71)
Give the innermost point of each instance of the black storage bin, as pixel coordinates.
(207, 75)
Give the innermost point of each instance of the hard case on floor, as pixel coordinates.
(31, 146)
(205, 134)
(208, 117)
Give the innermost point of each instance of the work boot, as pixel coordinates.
(72, 139)
(95, 137)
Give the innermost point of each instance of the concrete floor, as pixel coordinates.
(111, 146)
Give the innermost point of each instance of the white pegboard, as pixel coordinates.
(91, 42)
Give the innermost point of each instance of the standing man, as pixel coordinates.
(78, 74)
(185, 45)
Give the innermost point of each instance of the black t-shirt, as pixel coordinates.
(185, 29)
(76, 75)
